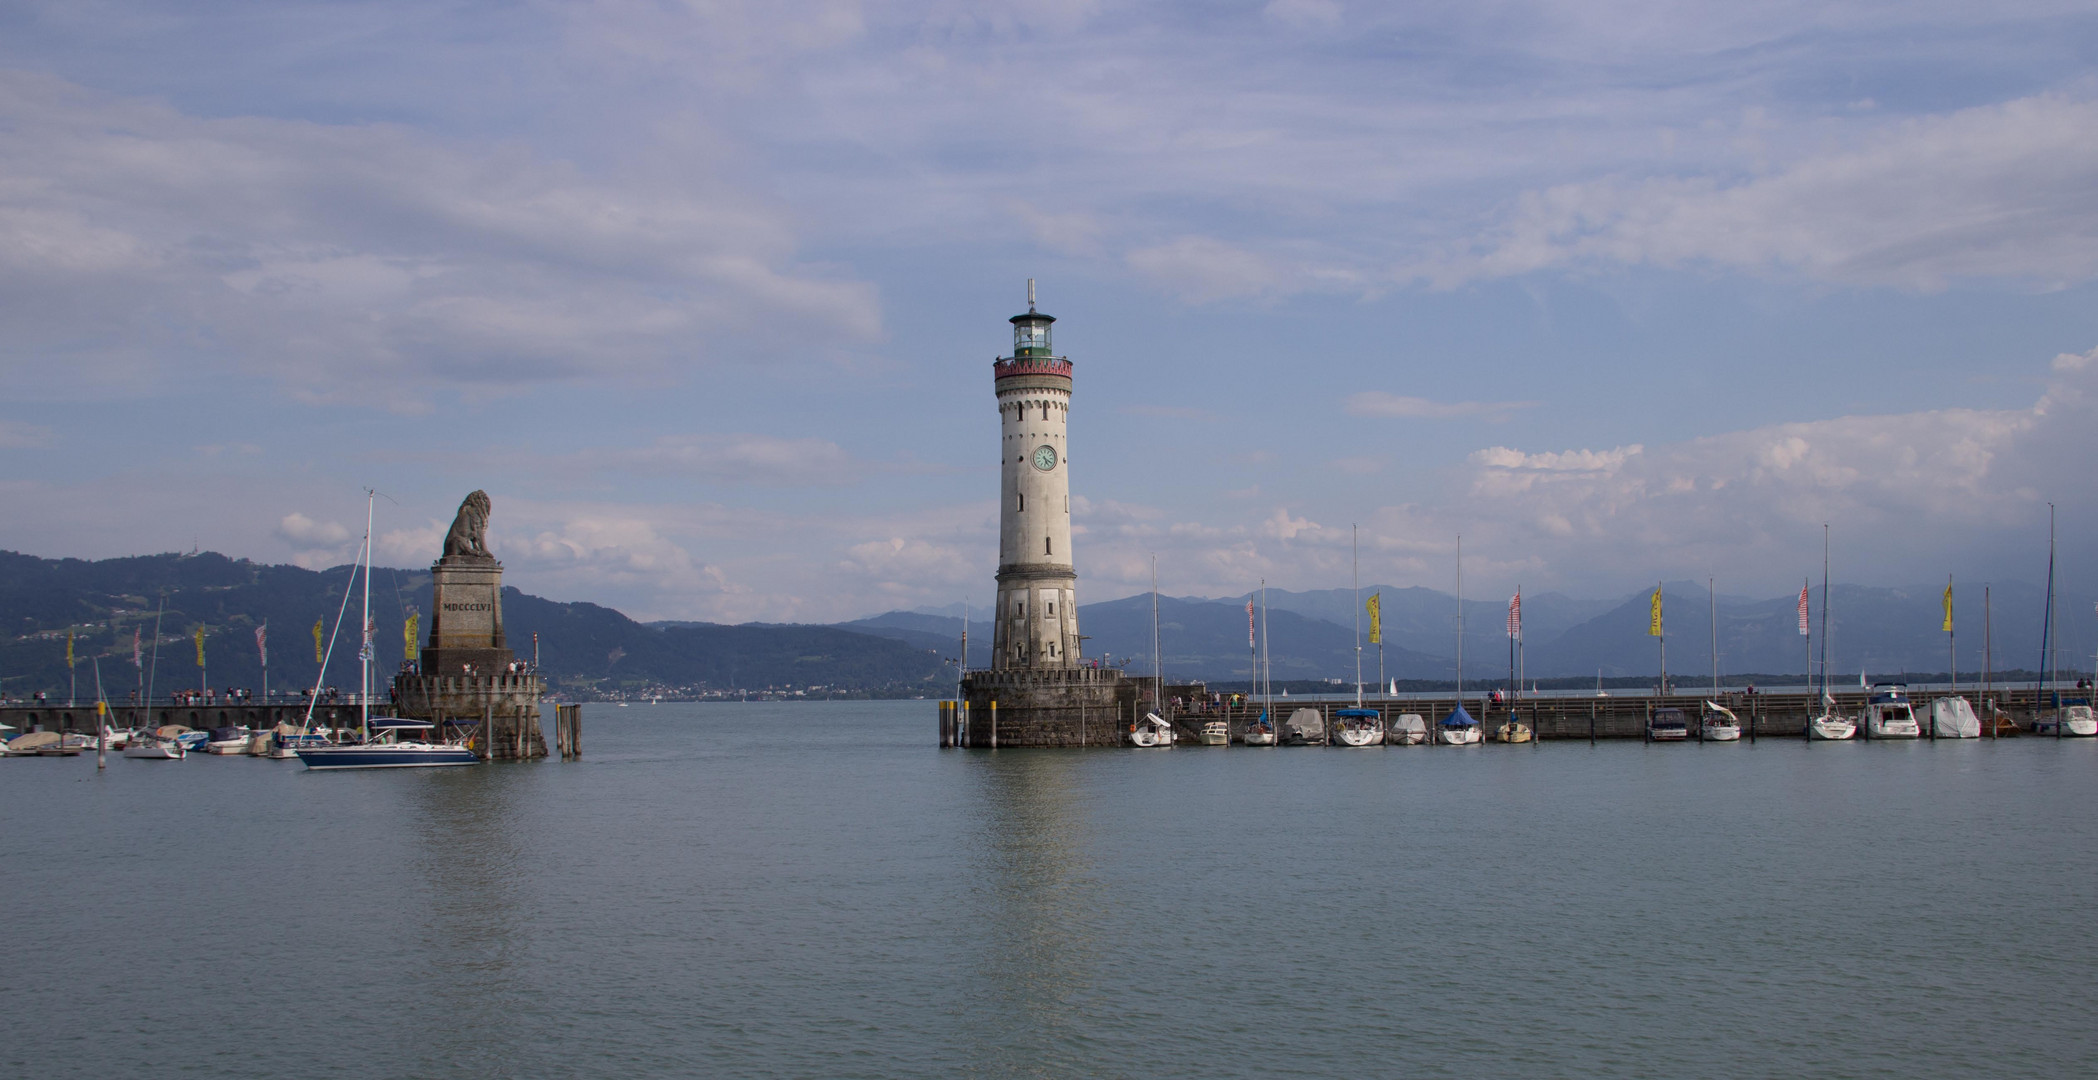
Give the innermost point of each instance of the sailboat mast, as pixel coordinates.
(1158, 663)
(2047, 629)
(1712, 585)
(1267, 683)
(1824, 609)
(364, 691)
(1355, 558)
(1460, 620)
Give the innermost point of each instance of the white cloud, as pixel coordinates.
(2001, 191)
(300, 529)
(1398, 406)
(368, 261)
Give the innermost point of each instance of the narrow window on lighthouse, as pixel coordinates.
(1045, 547)
(1023, 503)
(1045, 411)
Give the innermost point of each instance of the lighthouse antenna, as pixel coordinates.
(1030, 296)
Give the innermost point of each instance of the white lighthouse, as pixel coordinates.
(1037, 622)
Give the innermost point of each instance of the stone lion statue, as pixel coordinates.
(469, 535)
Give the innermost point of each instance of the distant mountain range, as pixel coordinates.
(591, 651)
(585, 650)
(1312, 634)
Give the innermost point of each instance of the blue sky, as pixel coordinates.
(703, 294)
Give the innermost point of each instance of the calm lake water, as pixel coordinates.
(815, 890)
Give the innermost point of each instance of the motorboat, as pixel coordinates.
(1305, 727)
(228, 741)
(286, 739)
(389, 749)
(1458, 729)
(1407, 729)
(147, 746)
(1152, 730)
(1953, 718)
(35, 743)
(1667, 725)
(1216, 733)
(1358, 727)
(2073, 719)
(190, 738)
(1259, 732)
(119, 738)
(1720, 724)
(1888, 714)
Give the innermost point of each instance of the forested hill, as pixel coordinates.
(584, 649)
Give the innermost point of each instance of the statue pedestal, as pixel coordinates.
(467, 679)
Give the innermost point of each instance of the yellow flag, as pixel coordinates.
(69, 648)
(316, 641)
(1376, 618)
(1948, 606)
(408, 635)
(1653, 622)
(200, 646)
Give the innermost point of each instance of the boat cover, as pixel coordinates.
(1307, 722)
(1356, 714)
(1459, 718)
(1954, 718)
(397, 723)
(1409, 722)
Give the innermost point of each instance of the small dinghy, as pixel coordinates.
(1358, 727)
(1407, 729)
(1152, 730)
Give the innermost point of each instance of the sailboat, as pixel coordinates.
(2070, 718)
(1720, 724)
(1407, 729)
(1828, 726)
(1153, 729)
(1358, 726)
(391, 742)
(1261, 732)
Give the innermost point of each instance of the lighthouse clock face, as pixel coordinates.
(1045, 458)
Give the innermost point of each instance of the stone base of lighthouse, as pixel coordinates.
(1049, 707)
(498, 712)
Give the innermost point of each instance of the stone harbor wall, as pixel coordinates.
(499, 712)
(1049, 707)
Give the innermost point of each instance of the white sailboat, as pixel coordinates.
(1828, 725)
(2071, 718)
(1720, 724)
(1261, 732)
(1152, 730)
(1358, 726)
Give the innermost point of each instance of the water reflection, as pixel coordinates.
(473, 930)
(1041, 929)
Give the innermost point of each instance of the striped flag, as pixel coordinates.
(1515, 615)
(1249, 622)
(262, 643)
(137, 658)
(1802, 609)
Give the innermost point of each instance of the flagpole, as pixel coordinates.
(1355, 578)
(1952, 652)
